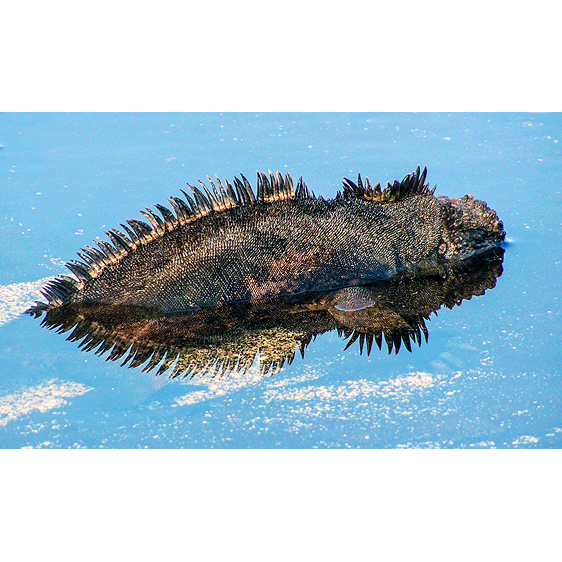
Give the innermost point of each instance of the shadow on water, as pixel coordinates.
(219, 340)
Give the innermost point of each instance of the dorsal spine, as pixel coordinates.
(412, 184)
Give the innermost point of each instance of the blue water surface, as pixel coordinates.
(490, 375)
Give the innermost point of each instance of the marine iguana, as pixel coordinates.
(230, 245)
(233, 337)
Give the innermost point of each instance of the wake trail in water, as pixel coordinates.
(17, 298)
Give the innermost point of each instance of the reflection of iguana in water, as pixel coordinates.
(226, 338)
(229, 245)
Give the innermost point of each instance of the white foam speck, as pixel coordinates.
(42, 398)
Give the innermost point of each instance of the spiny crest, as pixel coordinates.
(202, 202)
(276, 189)
(178, 360)
(57, 291)
(394, 337)
(412, 184)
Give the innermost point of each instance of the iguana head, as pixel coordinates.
(470, 226)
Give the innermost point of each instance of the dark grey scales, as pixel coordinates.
(224, 244)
